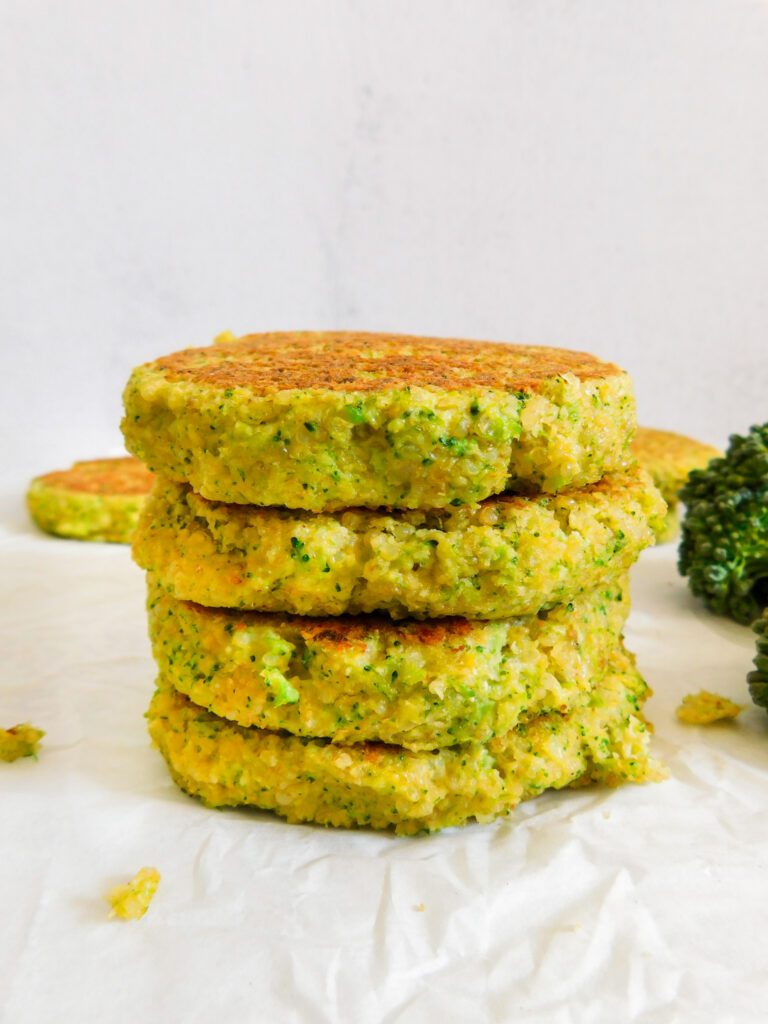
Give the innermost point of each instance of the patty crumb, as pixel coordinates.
(703, 708)
(131, 901)
(19, 741)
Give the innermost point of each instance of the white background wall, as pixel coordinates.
(592, 173)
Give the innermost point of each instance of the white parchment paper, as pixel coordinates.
(639, 904)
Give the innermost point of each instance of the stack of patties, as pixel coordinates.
(388, 575)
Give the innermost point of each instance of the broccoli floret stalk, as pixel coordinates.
(724, 547)
(758, 680)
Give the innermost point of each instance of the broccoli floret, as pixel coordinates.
(758, 680)
(724, 548)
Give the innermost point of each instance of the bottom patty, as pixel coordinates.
(380, 786)
(98, 500)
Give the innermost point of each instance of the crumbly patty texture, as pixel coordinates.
(380, 786)
(507, 556)
(131, 901)
(324, 421)
(670, 458)
(97, 500)
(420, 685)
(704, 708)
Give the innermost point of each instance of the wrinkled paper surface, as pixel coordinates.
(644, 903)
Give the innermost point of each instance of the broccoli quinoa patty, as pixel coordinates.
(380, 786)
(418, 684)
(324, 421)
(670, 458)
(507, 556)
(97, 500)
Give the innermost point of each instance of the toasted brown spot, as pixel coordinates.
(124, 476)
(346, 631)
(361, 362)
(436, 632)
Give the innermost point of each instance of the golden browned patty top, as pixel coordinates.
(671, 450)
(356, 361)
(120, 476)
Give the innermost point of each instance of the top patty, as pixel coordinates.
(327, 420)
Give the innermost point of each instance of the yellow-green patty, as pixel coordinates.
(670, 458)
(421, 685)
(381, 786)
(323, 421)
(96, 500)
(507, 556)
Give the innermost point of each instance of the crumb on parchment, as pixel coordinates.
(19, 741)
(131, 901)
(703, 708)
(419, 908)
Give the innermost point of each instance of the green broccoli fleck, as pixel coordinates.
(758, 680)
(355, 413)
(283, 691)
(724, 547)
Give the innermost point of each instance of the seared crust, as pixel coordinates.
(349, 632)
(359, 361)
(123, 475)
